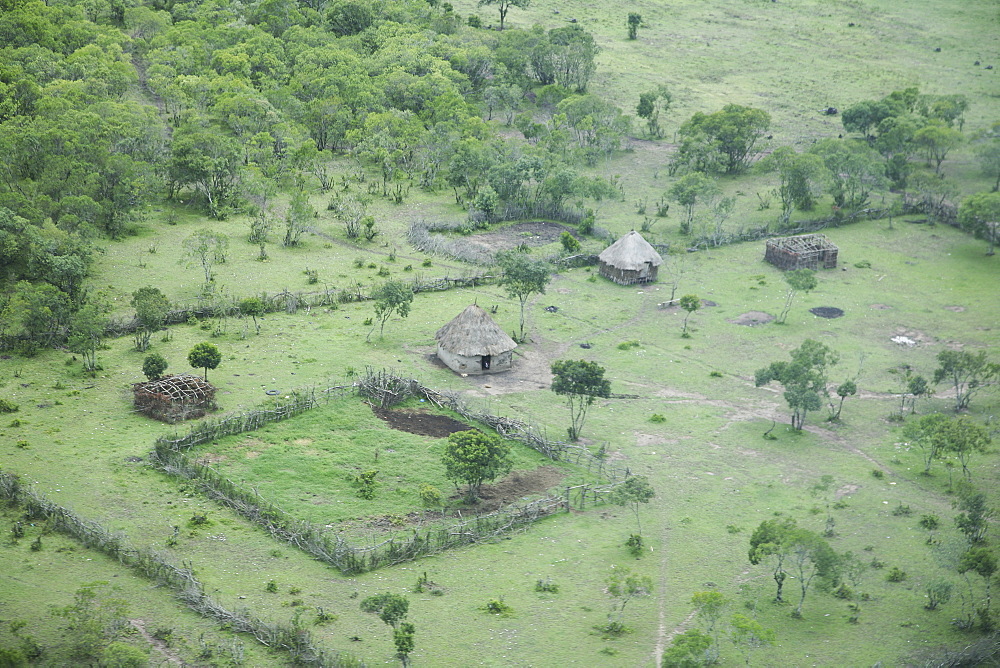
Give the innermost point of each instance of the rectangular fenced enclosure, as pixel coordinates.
(805, 251)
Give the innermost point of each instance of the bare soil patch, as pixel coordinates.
(423, 423)
(537, 233)
(880, 307)
(956, 309)
(827, 311)
(752, 319)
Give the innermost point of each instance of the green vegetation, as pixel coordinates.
(179, 171)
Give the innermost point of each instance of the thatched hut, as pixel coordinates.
(174, 398)
(474, 344)
(804, 251)
(630, 260)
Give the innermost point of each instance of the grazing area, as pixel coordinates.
(769, 439)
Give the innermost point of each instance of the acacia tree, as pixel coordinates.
(803, 378)
(504, 6)
(204, 356)
(151, 309)
(635, 490)
(798, 280)
(810, 557)
(522, 277)
(475, 457)
(967, 372)
(581, 382)
(390, 297)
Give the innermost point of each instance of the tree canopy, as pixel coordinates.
(804, 378)
(581, 382)
(475, 457)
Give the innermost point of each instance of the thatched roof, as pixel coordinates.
(472, 333)
(631, 252)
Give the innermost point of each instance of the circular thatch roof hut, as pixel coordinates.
(630, 260)
(474, 344)
(174, 398)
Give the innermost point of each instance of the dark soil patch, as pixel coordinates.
(752, 318)
(708, 302)
(827, 312)
(420, 422)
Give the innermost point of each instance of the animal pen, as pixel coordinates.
(174, 398)
(805, 251)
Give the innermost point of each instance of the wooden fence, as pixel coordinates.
(293, 640)
(385, 389)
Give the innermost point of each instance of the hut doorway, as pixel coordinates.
(485, 361)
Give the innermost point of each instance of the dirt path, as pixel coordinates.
(168, 654)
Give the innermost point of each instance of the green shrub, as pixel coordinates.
(628, 345)
(863, 264)
(896, 574)
(878, 473)
(8, 407)
(496, 606)
(901, 511)
(547, 585)
(426, 263)
(271, 587)
(430, 495)
(656, 417)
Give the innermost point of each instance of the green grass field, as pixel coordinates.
(78, 441)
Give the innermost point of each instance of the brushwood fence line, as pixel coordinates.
(293, 640)
(386, 389)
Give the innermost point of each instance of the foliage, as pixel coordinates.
(581, 382)
(688, 650)
(497, 606)
(802, 177)
(206, 248)
(390, 608)
(253, 307)
(938, 593)
(623, 586)
(392, 297)
(475, 457)
(798, 280)
(974, 520)
(804, 378)
(522, 277)
(967, 372)
(569, 242)
(204, 356)
(689, 191)
(95, 618)
(979, 215)
(725, 141)
(635, 490)
(151, 309)
(652, 103)
(748, 635)
(634, 22)
(846, 389)
(153, 366)
(87, 328)
(690, 303)
(402, 638)
(503, 6)
(366, 484)
(768, 542)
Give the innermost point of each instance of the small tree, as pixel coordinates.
(710, 606)
(475, 457)
(846, 389)
(688, 650)
(635, 490)
(153, 366)
(804, 378)
(810, 557)
(390, 608)
(967, 372)
(391, 297)
(297, 218)
(981, 561)
(926, 434)
(964, 438)
(205, 248)
(204, 356)
(622, 586)
(86, 333)
(748, 635)
(504, 6)
(581, 383)
(403, 639)
(689, 191)
(151, 309)
(651, 104)
(522, 277)
(979, 215)
(799, 280)
(769, 542)
(253, 307)
(974, 520)
(634, 23)
(689, 303)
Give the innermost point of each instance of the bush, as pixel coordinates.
(656, 417)
(901, 511)
(877, 473)
(496, 606)
(153, 366)
(546, 585)
(569, 242)
(8, 407)
(430, 495)
(896, 574)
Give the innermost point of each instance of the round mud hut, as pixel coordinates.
(630, 260)
(473, 344)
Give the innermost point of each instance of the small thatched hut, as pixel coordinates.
(804, 251)
(174, 398)
(630, 260)
(474, 344)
